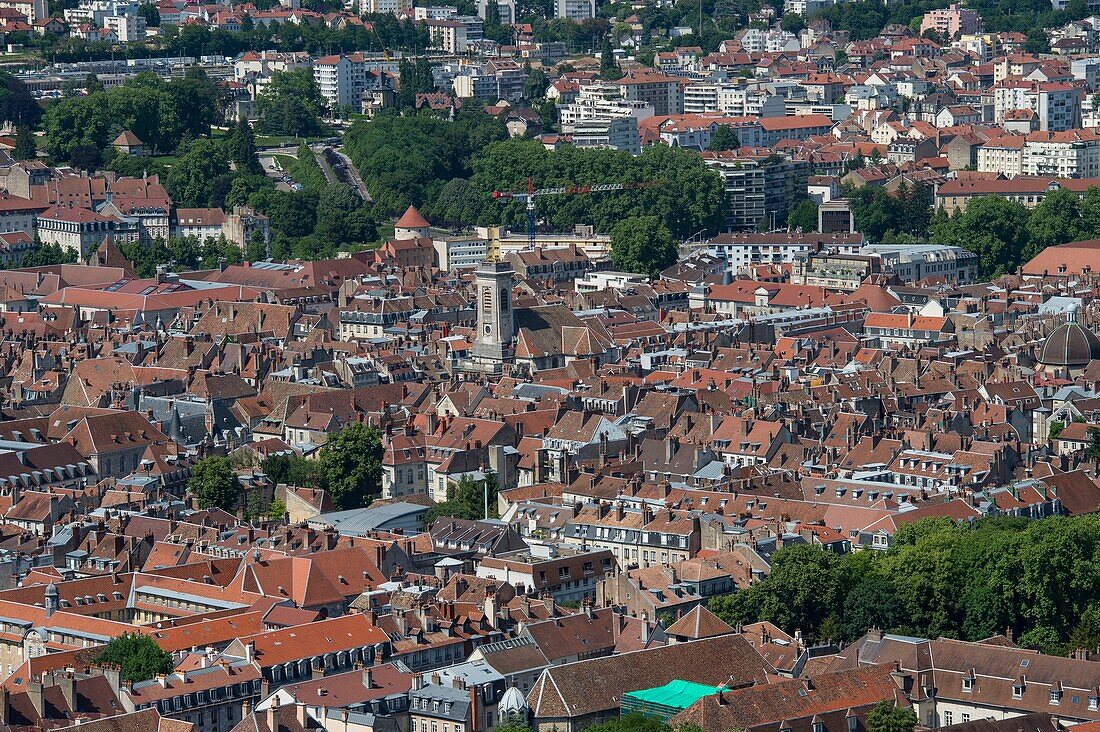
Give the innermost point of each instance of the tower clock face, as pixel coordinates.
(488, 329)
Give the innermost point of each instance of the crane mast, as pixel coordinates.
(528, 196)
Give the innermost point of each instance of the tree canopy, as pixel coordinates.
(16, 102)
(197, 174)
(138, 657)
(466, 499)
(291, 104)
(351, 466)
(682, 192)
(1033, 578)
(214, 484)
(886, 717)
(642, 244)
(723, 138)
(161, 113)
(408, 160)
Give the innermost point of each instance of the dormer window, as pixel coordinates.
(968, 684)
(1094, 703)
(1018, 691)
(1055, 696)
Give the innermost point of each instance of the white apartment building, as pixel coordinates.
(607, 280)
(617, 133)
(1003, 154)
(571, 115)
(1086, 70)
(912, 262)
(97, 11)
(75, 229)
(746, 249)
(341, 80)
(35, 10)
(806, 7)
(1068, 154)
(757, 40)
(475, 83)
(506, 9)
(450, 36)
(601, 101)
(255, 68)
(750, 102)
(387, 7)
(460, 252)
(1056, 104)
(575, 9)
(435, 12)
(732, 100)
(128, 28)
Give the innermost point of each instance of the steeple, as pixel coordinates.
(495, 319)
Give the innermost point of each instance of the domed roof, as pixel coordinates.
(1071, 344)
(513, 702)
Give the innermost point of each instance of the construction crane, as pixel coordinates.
(532, 193)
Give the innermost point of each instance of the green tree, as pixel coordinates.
(351, 465)
(803, 217)
(214, 484)
(495, 30)
(1054, 221)
(872, 603)
(254, 506)
(335, 206)
(458, 204)
(723, 138)
(1086, 634)
(992, 227)
(682, 191)
(276, 510)
(306, 170)
(291, 104)
(886, 717)
(240, 146)
(25, 148)
(193, 178)
(1043, 639)
(86, 157)
(92, 84)
(1037, 41)
(45, 255)
(609, 70)
(17, 104)
(150, 13)
(292, 470)
(408, 159)
(802, 588)
(1089, 224)
(138, 657)
(534, 88)
(793, 23)
(642, 244)
(1092, 449)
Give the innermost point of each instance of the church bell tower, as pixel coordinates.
(495, 324)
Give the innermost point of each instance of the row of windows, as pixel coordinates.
(244, 688)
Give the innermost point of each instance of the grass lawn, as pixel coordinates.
(286, 162)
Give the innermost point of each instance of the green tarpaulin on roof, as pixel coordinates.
(665, 701)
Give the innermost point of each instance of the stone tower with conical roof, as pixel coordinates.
(411, 225)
